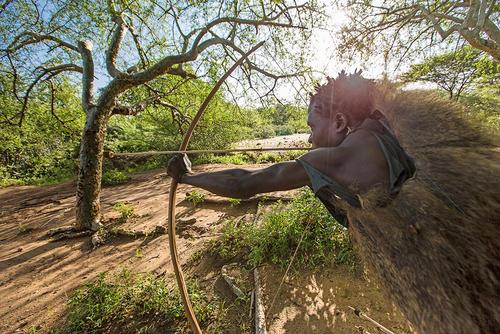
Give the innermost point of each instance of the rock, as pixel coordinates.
(186, 220)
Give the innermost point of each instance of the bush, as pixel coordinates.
(132, 303)
(264, 131)
(125, 210)
(113, 177)
(275, 238)
(195, 197)
(483, 107)
(284, 130)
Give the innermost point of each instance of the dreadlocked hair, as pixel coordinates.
(350, 94)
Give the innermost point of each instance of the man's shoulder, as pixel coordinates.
(361, 139)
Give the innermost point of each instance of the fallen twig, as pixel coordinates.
(360, 314)
(230, 281)
(260, 314)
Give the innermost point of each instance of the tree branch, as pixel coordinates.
(51, 71)
(14, 77)
(85, 49)
(142, 55)
(114, 47)
(53, 109)
(34, 38)
(473, 36)
(136, 108)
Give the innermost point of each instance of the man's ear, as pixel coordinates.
(340, 122)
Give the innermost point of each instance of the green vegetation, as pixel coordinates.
(455, 72)
(138, 253)
(249, 157)
(483, 106)
(113, 177)
(125, 210)
(133, 303)
(44, 149)
(276, 236)
(195, 197)
(23, 228)
(234, 202)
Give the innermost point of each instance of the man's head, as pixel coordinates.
(337, 106)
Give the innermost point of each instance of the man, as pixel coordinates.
(435, 247)
(354, 151)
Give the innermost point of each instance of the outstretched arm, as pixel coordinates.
(243, 183)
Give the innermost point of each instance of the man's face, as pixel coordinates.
(327, 129)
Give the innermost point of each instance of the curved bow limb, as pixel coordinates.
(193, 322)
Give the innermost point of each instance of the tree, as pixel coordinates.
(399, 28)
(139, 45)
(456, 71)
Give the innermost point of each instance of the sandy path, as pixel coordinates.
(295, 140)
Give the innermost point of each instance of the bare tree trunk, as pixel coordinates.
(88, 191)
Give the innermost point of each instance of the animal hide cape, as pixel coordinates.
(436, 246)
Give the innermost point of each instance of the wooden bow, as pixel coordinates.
(173, 189)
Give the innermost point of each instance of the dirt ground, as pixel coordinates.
(318, 302)
(37, 274)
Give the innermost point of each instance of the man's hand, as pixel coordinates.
(178, 166)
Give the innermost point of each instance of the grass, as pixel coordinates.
(23, 228)
(234, 202)
(248, 157)
(60, 177)
(276, 236)
(113, 177)
(195, 197)
(125, 210)
(134, 303)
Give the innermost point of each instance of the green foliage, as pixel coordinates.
(113, 177)
(132, 303)
(455, 71)
(195, 197)
(280, 120)
(235, 159)
(125, 210)
(276, 237)
(249, 158)
(23, 228)
(234, 202)
(483, 105)
(44, 149)
(277, 157)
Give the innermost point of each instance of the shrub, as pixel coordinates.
(125, 210)
(132, 303)
(113, 177)
(264, 131)
(195, 197)
(275, 238)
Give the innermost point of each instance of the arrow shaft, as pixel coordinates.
(231, 150)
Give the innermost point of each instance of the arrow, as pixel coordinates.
(112, 155)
